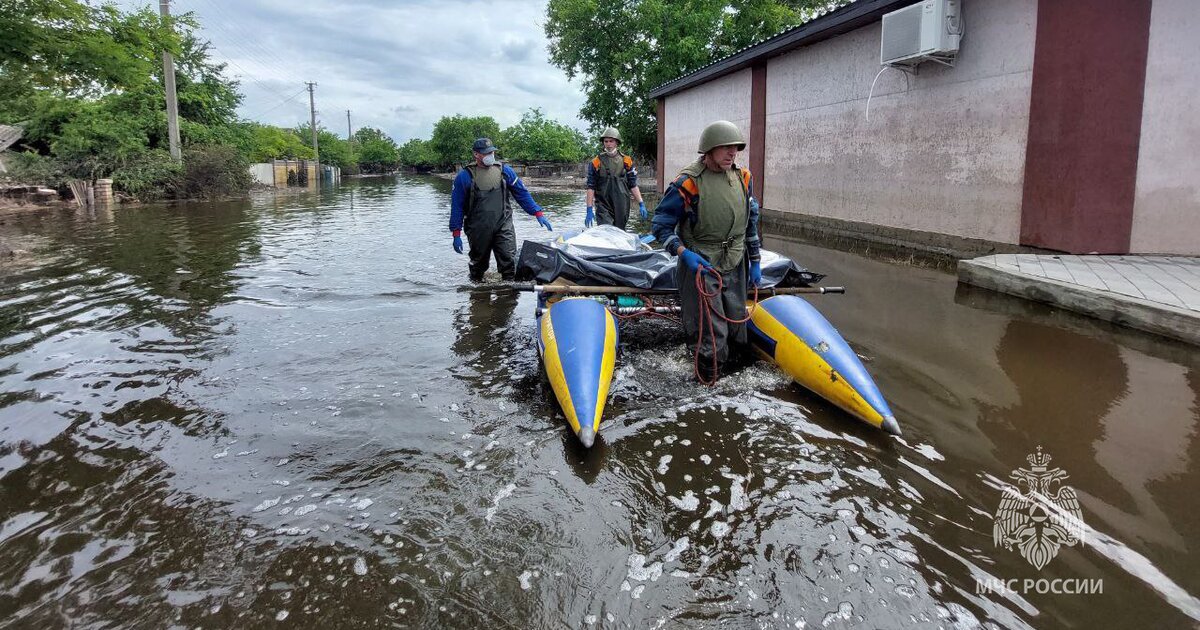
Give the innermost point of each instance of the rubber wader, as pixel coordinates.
(489, 224)
(718, 234)
(612, 191)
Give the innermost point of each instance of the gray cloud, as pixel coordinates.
(398, 66)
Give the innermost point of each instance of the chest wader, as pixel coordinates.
(719, 234)
(612, 192)
(488, 223)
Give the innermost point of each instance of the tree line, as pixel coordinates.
(534, 139)
(84, 81)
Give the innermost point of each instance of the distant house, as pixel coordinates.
(1068, 125)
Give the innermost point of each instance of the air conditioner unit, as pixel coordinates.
(926, 31)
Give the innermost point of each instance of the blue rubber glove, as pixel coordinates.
(544, 221)
(458, 244)
(590, 219)
(695, 261)
(755, 273)
(642, 209)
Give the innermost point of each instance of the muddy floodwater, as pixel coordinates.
(291, 411)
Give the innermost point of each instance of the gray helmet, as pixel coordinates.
(611, 132)
(719, 134)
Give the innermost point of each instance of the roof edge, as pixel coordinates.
(842, 20)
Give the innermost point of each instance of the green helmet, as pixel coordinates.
(719, 134)
(611, 132)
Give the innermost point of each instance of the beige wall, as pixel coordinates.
(943, 151)
(1166, 210)
(688, 112)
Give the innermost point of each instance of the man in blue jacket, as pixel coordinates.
(479, 205)
(708, 218)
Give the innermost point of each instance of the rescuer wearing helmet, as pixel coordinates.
(708, 218)
(611, 178)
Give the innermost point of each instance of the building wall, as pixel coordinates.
(1166, 211)
(942, 151)
(263, 173)
(688, 112)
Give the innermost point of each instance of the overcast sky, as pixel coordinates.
(396, 64)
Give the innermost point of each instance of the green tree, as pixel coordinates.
(85, 81)
(622, 50)
(377, 153)
(263, 143)
(417, 153)
(453, 136)
(333, 150)
(537, 138)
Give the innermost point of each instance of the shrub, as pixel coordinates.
(31, 169)
(214, 171)
(149, 176)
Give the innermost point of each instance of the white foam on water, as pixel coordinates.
(360, 566)
(640, 572)
(637, 591)
(844, 612)
(223, 453)
(714, 509)
(689, 502)
(281, 615)
(266, 505)
(590, 620)
(282, 482)
(301, 511)
(706, 459)
(361, 505)
(719, 529)
(524, 580)
(663, 463)
(504, 493)
(249, 532)
(680, 546)
(285, 511)
(737, 493)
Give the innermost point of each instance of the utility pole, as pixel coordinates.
(312, 112)
(164, 9)
(349, 129)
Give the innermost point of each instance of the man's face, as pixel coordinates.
(610, 143)
(723, 157)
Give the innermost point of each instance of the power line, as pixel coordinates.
(279, 104)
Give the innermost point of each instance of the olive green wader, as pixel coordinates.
(719, 234)
(612, 191)
(488, 223)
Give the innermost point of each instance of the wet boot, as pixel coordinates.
(706, 373)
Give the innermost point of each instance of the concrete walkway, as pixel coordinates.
(1159, 294)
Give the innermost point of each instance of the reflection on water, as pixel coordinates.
(294, 410)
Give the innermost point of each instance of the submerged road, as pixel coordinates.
(291, 411)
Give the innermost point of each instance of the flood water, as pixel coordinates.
(291, 411)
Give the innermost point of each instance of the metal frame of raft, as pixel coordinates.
(578, 338)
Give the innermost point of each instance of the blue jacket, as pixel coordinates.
(679, 203)
(462, 189)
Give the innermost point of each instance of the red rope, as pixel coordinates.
(707, 311)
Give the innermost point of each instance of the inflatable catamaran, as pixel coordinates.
(587, 283)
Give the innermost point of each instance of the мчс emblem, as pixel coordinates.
(1041, 520)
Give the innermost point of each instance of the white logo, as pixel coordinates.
(1043, 519)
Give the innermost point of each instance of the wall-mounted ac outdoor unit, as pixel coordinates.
(926, 31)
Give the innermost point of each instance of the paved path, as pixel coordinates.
(1159, 294)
